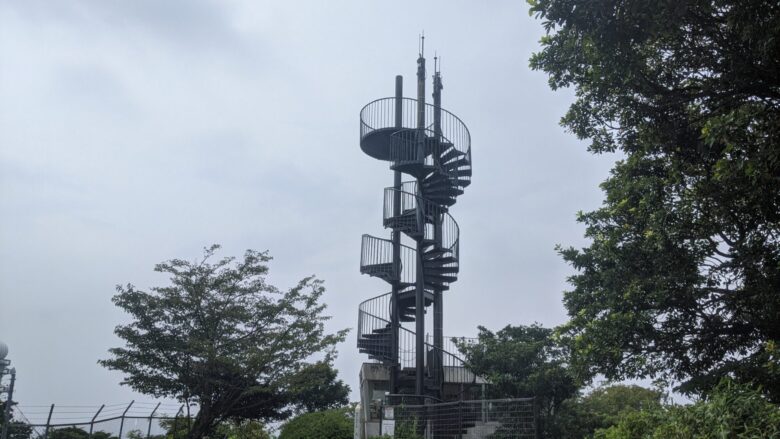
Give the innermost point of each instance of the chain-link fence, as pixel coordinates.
(491, 418)
(136, 420)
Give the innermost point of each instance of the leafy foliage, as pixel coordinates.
(223, 338)
(682, 275)
(317, 388)
(77, 433)
(581, 416)
(329, 424)
(732, 411)
(179, 428)
(523, 361)
(404, 429)
(241, 430)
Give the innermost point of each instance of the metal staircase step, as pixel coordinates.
(454, 158)
(406, 222)
(445, 188)
(440, 270)
(411, 295)
(435, 278)
(417, 169)
(442, 198)
(449, 154)
(383, 271)
(441, 260)
(434, 253)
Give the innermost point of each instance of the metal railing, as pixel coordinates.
(490, 418)
(381, 114)
(421, 223)
(451, 343)
(374, 318)
(376, 259)
(435, 152)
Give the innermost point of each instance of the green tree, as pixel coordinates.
(681, 277)
(223, 338)
(523, 361)
(77, 433)
(329, 424)
(317, 388)
(581, 416)
(179, 427)
(68, 433)
(176, 428)
(241, 430)
(731, 411)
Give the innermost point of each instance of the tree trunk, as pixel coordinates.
(204, 423)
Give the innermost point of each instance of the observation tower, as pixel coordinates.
(429, 152)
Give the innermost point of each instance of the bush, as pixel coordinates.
(731, 411)
(329, 424)
(602, 408)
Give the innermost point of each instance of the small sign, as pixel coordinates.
(388, 427)
(389, 413)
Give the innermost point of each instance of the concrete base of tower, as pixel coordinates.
(458, 384)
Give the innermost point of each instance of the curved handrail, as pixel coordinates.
(450, 231)
(379, 251)
(368, 321)
(380, 114)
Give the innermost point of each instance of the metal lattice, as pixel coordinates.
(114, 421)
(490, 418)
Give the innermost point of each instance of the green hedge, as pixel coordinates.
(329, 424)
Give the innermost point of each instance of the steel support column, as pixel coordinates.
(395, 320)
(419, 315)
(438, 311)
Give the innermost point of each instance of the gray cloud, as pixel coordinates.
(134, 132)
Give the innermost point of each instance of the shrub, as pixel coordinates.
(602, 408)
(731, 411)
(329, 424)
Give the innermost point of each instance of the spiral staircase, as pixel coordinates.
(431, 148)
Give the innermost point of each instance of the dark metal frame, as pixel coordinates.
(433, 146)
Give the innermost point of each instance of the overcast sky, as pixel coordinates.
(132, 132)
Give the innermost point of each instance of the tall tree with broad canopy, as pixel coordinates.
(221, 337)
(681, 279)
(523, 361)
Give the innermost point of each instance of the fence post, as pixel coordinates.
(92, 422)
(189, 418)
(48, 421)
(381, 417)
(176, 421)
(537, 420)
(460, 419)
(122, 424)
(151, 415)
